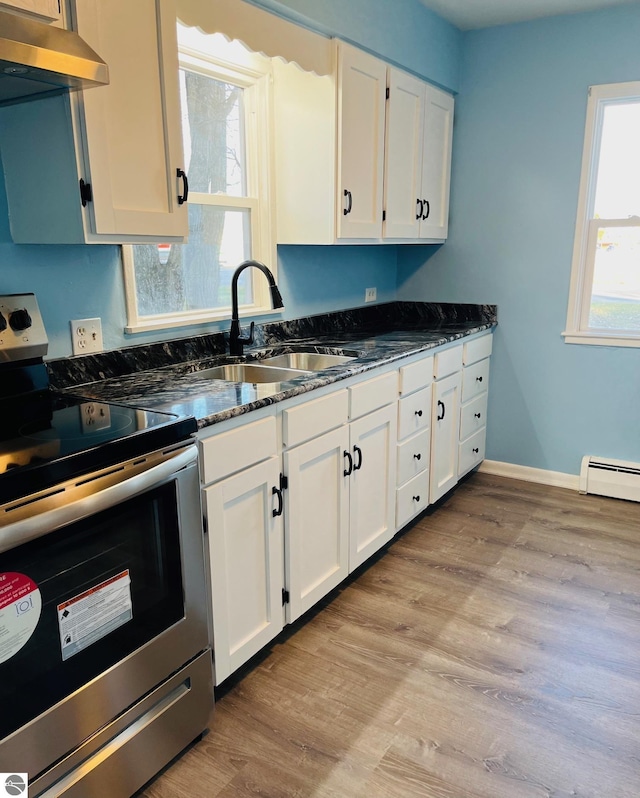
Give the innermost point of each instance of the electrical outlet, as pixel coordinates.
(370, 294)
(95, 416)
(86, 336)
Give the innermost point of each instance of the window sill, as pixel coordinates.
(152, 323)
(600, 338)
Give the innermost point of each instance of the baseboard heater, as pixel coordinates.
(615, 478)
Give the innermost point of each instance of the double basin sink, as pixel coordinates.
(275, 369)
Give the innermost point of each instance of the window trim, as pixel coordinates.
(260, 164)
(583, 261)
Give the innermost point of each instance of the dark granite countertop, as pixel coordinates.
(166, 376)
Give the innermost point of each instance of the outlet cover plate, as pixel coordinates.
(370, 294)
(86, 336)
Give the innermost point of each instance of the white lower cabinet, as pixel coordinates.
(317, 519)
(445, 421)
(299, 495)
(372, 483)
(245, 554)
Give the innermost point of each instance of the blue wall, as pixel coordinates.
(411, 36)
(516, 167)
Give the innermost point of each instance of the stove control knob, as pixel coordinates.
(20, 319)
(3, 323)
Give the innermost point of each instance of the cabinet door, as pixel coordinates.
(132, 126)
(436, 163)
(362, 83)
(444, 435)
(372, 484)
(317, 519)
(245, 553)
(403, 156)
(49, 9)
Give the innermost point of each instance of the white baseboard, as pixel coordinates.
(556, 478)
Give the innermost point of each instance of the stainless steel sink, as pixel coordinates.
(307, 361)
(251, 372)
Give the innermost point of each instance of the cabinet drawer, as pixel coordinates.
(475, 379)
(412, 498)
(416, 375)
(477, 350)
(473, 415)
(414, 413)
(471, 451)
(447, 362)
(231, 451)
(372, 394)
(314, 417)
(413, 456)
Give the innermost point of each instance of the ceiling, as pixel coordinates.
(471, 14)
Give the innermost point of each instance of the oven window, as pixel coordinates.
(116, 577)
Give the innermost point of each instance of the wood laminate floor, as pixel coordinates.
(492, 652)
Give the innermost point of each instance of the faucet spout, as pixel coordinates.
(236, 341)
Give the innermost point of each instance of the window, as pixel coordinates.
(225, 123)
(604, 299)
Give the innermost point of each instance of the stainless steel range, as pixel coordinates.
(105, 670)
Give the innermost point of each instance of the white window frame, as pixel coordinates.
(259, 201)
(584, 248)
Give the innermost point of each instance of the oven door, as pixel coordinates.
(102, 597)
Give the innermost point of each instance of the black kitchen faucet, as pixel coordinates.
(236, 342)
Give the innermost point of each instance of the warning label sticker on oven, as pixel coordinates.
(20, 607)
(91, 615)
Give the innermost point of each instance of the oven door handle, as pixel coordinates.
(37, 526)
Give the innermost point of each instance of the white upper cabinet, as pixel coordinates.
(104, 165)
(362, 82)
(360, 156)
(417, 159)
(47, 9)
(436, 163)
(403, 155)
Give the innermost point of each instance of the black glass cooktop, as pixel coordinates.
(47, 437)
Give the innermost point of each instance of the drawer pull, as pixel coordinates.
(418, 456)
(419, 413)
(277, 492)
(346, 211)
(475, 451)
(416, 498)
(478, 379)
(357, 465)
(441, 404)
(476, 415)
(349, 469)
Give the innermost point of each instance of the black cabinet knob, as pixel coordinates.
(419, 413)
(476, 415)
(20, 319)
(416, 498)
(478, 379)
(418, 456)
(475, 451)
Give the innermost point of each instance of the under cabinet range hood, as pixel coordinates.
(38, 60)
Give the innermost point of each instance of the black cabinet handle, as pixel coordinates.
(277, 492)
(419, 413)
(476, 415)
(478, 379)
(417, 457)
(441, 404)
(347, 194)
(416, 498)
(420, 208)
(182, 198)
(428, 207)
(357, 465)
(475, 451)
(347, 471)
